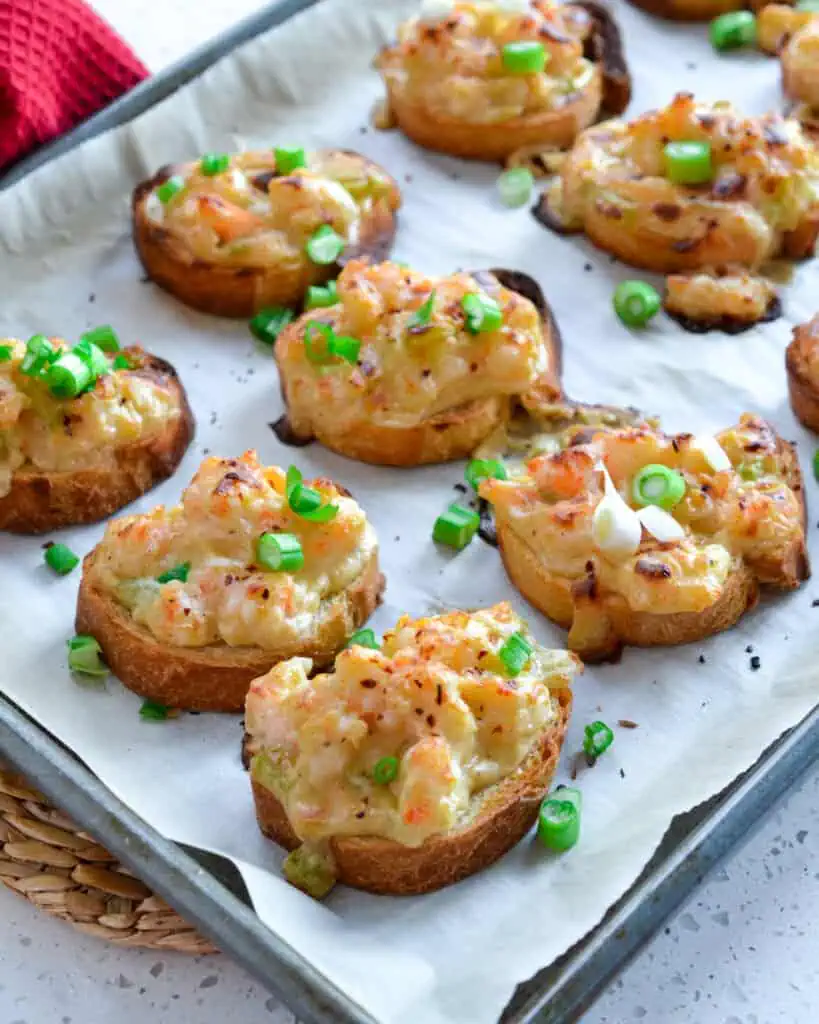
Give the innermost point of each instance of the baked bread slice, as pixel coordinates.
(186, 606)
(690, 10)
(102, 477)
(239, 245)
(437, 818)
(417, 393)
(802, 366)
(735, 530)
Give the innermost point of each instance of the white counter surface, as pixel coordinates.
(742, 951)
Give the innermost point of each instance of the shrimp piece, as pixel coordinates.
(229, 221)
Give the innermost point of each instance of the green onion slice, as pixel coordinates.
(816, 464)
(456, 527)
(558, 826)
(179, 572)
(84, 656)
(324, 246)
(279, 552)
(169, 188)
(321, 343)
(807, 5)
(318, 297)
(214, 163)
(345, 347)
(732, 30)
(597, 738)
(515, 186)
(61, 559)
(636, 302)
(688, 163)
(122, 362)
(420, 319)
(5, 353)
(484, 469)
(482, 313)
(38, 355)
(93, 356)
(269, 323)
(385, 770)
(289, 159)
(364, 638)
(151, 711)
(658, 485)
(515, 654)
(306, 502)
(524, 58)
(68, 376)
(104, 337)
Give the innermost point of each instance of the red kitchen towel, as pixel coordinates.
(59, 63)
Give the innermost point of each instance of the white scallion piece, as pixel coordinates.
(616, 528)
(660, 524)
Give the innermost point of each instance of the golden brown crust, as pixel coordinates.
(803, 391)
(690, 10)
(449, 435)
(242, 291)
(214, 678)
(505, 815)
(42, 501)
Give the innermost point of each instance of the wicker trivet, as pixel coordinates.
(60, 869)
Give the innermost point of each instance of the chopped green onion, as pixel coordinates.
(318, 297)
(558, 826)
(751, 470)
(68, 376)
(807, 5)
(515, 186)
(484, 469)
(385, 770)
(515, 654)
(364, 638)
(688, 163)
(311, 870)
(324, 246)
(731, 30)
(524, 58)
(122, 362)
(344, 347)
(93, 357)
(84, 656)
(421, 317)
(38, 355)
(279, 552)
(658, 485)
(483, 314)
(214, 163)
(321, 343)
(597, 738)
(151, 711)
(816, 464)
(456, 527)
(104, 337)
(306, 502)
(289, 159)
(268, 323)
(168, 189)
(5, 353)
(61, 559)
(636, 302)
(179, 572)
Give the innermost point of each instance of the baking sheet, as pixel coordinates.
(67, 264)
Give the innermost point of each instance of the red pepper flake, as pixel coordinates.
(265, 594)
(439, 695)
(497, 729)
(626, 723)
(431, 721)
(360, 814)
(419, 711)
(369, 684)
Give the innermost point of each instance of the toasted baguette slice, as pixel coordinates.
(39, 502)
(802, 387)
(690, 10)
(214, 678)
(501, 816)
(449, 435)
(242, 290)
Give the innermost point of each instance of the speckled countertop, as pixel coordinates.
(742, 951)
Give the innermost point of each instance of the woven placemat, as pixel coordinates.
(52, 863)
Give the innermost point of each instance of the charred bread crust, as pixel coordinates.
(42, 501)
(217, 677)
(803, 391)
(505, 814)
(726, 324)
(447, 436)
(242, 291)
(604, 46)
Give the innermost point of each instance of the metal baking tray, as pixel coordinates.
(208, 890)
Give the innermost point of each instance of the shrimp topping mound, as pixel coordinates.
(398, 742)
(190, 573)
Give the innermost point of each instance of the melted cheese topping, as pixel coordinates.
(748, 512)
(249, 214)
(435, 696)
(227, 598)
(766, 177)
(806, 338)
(743, 298)
(41, 432)
(405, 373)
(453, 66)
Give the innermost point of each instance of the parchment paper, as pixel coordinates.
(67, 264)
